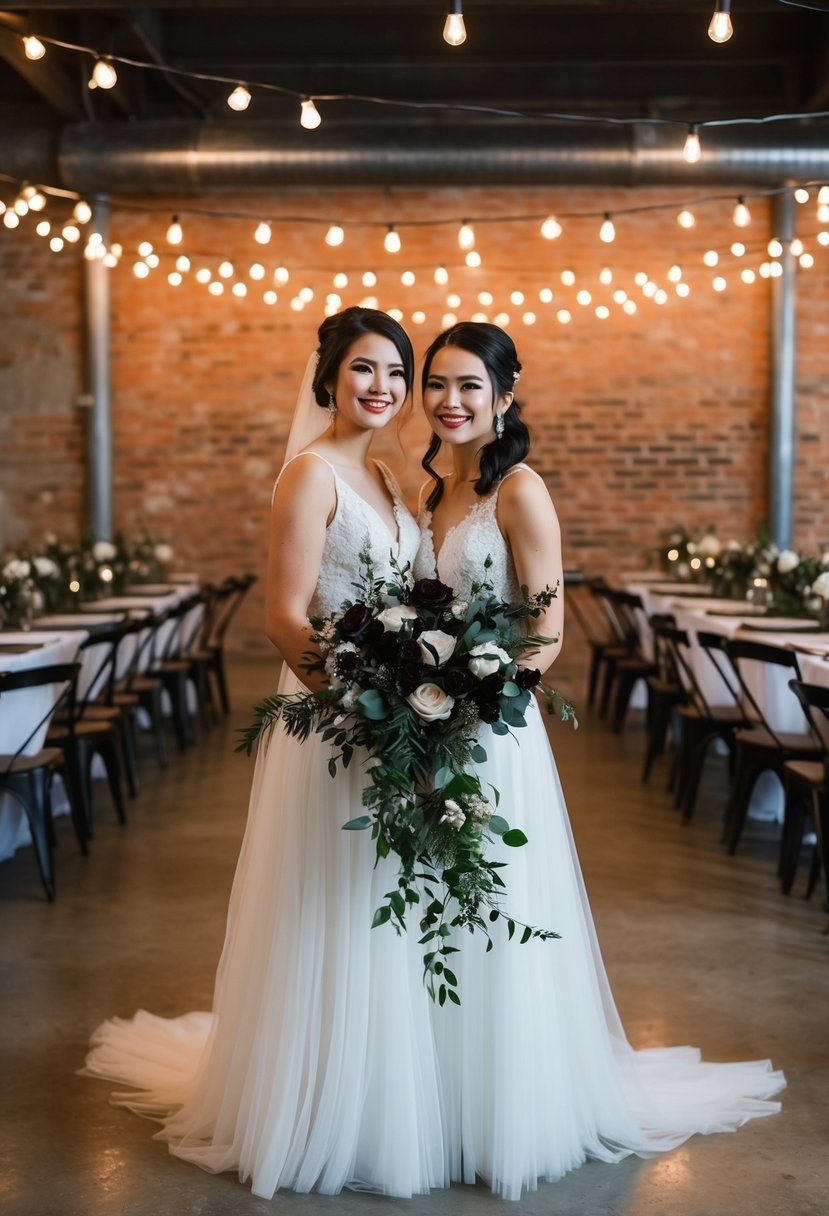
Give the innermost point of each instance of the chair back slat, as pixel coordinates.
(37, 677)
(745, 656)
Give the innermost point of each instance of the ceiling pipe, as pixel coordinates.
(147, 158)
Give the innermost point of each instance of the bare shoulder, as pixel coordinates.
(524, 497)
(308, 475)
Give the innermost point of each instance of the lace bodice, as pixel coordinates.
(355, 523)
(466, 547)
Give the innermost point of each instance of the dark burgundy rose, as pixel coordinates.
(409, 676)
(355, 623)
(347, 664)
(527, 677)
(431, 593)
(458, 681)
(485, 695)
(488, 711)
(386, 646)
(409, 652)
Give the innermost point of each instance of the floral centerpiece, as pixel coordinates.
(416, 676)
(17, 593)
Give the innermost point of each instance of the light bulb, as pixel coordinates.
(43, 228)
(448, 320)
(479, 316)
(270, 297)
(152, 259)
(466, 235)
(528, 318)
(720, 28)
(407, 278)
(56, 244)
(334, 300)
(685, 219)
(738, 249)
(216, 288)
(103, 75)
(683, 290)
(796, 246)
(71, 233)
(369, 279)
(551, 228)
(568, 278)
(203, 275)
(692, 150)
(110, 259)
(263, 233)
(174, 232)
(711, 257)
(823, 194)
(141, 270)
(453, 301)
(806, 261)
(239, 99)
(21, 206)
(675, 274)
(823, 213)
(747, 275)
(306, 294)
(392, 240)
(418, 317)
(257, 271)
(719, 283)
(619, 296)
(454, 30)
(226, 270)
(823, 238)
(649, 289)
(775, 248)
(605, 275)
(35, 199)
(742, 215)
(309, 115)
(340, 280)
(545, 295)
(33, 47)
(516, 297)
(486, 298)
(441, 276)
(584, 297)
(239, 290)
(144, 248)
(607, 232)
(602, 312)
(640, 278)
(501, 318)
(629, 307)
(183, 263)
(174, 278)
(335, 235)
(801, 195)
(82, 211)
(563, 316)
(281, 274)
(473, 258)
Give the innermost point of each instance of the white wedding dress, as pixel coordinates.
(324, 1064)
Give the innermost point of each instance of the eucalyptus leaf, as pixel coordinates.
(514, 838)
(358, 824)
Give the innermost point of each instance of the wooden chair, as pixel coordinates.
(759, 747)
(665, 690)
(28, 778)
(210, 651)
(807, 795)
(172, 666)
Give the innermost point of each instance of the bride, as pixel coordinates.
(323, 1063)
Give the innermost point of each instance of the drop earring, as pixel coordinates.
(499, 426)
(332, 407)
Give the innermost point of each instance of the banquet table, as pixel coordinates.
(21, 651)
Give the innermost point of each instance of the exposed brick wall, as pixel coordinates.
(640, 422)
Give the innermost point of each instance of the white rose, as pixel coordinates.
(710, 545)
(453, 814)
(821, 585)
(431, 703)
(163, 553)
(16, 568)
(459, 609)
(45, 567)
(103, 551)
(486, 659)
(788, 561)
(439, 641)
(392, 618)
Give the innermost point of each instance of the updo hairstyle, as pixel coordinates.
(338, 333)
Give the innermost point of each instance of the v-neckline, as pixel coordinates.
(473, 506)
(394, 502)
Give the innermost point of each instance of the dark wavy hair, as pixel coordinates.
(496, 350)
(338, 333)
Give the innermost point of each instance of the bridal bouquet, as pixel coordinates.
(415, 674)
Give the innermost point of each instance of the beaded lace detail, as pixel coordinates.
(466, 546)
(356, 523)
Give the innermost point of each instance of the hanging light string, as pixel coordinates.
(243, 90)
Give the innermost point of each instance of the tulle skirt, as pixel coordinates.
(324, 1064)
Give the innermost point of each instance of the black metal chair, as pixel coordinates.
(584, 602)
(807, 795)
(209, 652)
(623, 669)
(28, 777)
(666, 691)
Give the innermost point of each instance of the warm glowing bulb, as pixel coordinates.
(151, 259)
(141, 270)
(263, 232)
(486, 298)
(407, 278)
(56, 244)
(203, 275)
(502, 319)
(563, 316)
(226, 270)
(216, 288)
(605, 275)
(103, 75)
(545, 295)
(711, 257)
(806, 261)
(257, 271)
(183, 263)
(473, 259)
(448, 320)
(35, 199)
(334, 300)
(335, 235)
(796, 246)
(640, 278)
(823, 194)
(392, 241)
(144, 248)
(528, 318)
(719, 283)
(174, 278)
(174, 232)
(620, 296)
(418, 317)
(607, 232)
(742, 215)
(43, 228)
(82, 211)
(516, 297)
(584, 298)
(71, 233)
(281, 274)
(649, 289)
(801, 195)
(369, 279)
(738, 249)
(823, 213)
(775, 269)
(720, 28)
(270, 297)
(685, 219)
(775, 248)
(33, 47)
(21, 205)
(453, 301)
(602, 312)
(340, 280)
(551, 228)
(239, 99)
(239, 290)
(675, 274)
(110, 259)
(682, 289)
(568, 278)
(479, 316)
(466, 236)
(309, 115)
(629, 307)
(748, 275)
(692, 150)
(454, 30)
(823, 238)
(441, 276)
(306, 294)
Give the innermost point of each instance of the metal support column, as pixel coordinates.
(98, 389)
(782, 372)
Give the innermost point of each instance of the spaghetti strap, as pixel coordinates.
(291, 461)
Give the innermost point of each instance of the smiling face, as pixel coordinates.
(371, 384)
(458, 398)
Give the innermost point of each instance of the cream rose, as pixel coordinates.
(821, 585)
(392, 618)
(788, 561)
(442, 643)
(431, 703)
(486, 659)
(16, 568)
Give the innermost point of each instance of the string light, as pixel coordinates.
(620, 296)
(563, 316)
(742, 215)
(174, 278)
(281, 274)
(607, 232)
(683, 290)
(144, 248)
(823, 213)
(568, 278)
(369, 279)
(441, 276)
(407, 278)
(174, 232)
(528, 318)
(775, 248)
(487, 299)
(21, 206)
(226, 270)
(692, 151)
(584, 297)
(391, 242)
(516, 297)
(453, 300)
(719, 283)
(239, 99)
(216, 288)
(686, 219)
(262, 235)
(141, 270)
(309, 115)
(335, 235)
(466, 235)
(796, 246)
(341, 280)
(203, 275)
(545, 295)
(418, 317)
(103, 75)
(71, 233)
(473, 259)
(56, 244)
(454, 29)
(502, 319)
(823, 194)
(747, 275)
(11, 219)
(43, 228)
(270, 297)
(605, 275)
(551, 228)
(239, 290)
(801, 195)
(675, 274)
(806, 261)
(152, 260)
(257, 272)
(183, 263)
(82, 211)
(602, 312)
(823, 238)
(721, 28)
(306, 294)
(738, 249)
(640, 278)
(33, 47)
(629, 307)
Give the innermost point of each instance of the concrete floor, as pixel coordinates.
(701, 949)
